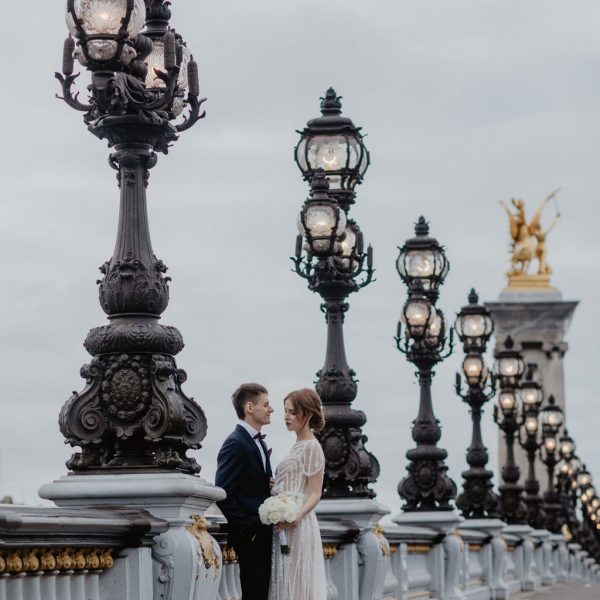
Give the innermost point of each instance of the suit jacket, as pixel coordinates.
(241, 474)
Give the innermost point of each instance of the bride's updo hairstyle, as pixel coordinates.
(307, 403)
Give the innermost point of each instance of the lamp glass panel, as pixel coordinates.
(508, 366)
(550, 444)
(301, 155)
(473, 367)
(102, 49)
(330, 153)
(566, 449)
(507, 401)
(320, 220)
(99, 17)
(420, 263)
(436, 322)
(531, 425)
(473, 325)
(417, 313)
(531, 396)
(353, 152)
(349, 242)
(156, 61)
(554, 418)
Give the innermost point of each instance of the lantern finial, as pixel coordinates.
(331, 104)
(422, 226)
(473, 297)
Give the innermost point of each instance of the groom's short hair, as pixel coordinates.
(245, 393)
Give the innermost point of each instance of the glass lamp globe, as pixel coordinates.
(552, 416)
(567, 446)
(550, 444)
(474, 325)
(101, 25)
(416, 315)
(531, 425)
(321, 220)
(509, 365)
(584, 479)
(156, 62)
(333, 143)
(435, 328)
(531, 395)
(507, 402)
(351, 245)
(474, 369)
(423, 260)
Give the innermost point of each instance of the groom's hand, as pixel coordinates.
(271, 483)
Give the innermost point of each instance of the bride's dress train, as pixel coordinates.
(299, 575)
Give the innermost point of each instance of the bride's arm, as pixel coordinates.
(315, 486)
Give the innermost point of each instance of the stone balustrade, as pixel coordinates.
(62, 554)
(103, 553)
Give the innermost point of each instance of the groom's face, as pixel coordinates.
(260, 411)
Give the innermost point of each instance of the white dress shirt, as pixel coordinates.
(252, 433)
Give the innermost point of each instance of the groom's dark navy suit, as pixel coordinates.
(240, 472)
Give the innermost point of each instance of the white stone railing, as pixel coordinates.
(101, 554)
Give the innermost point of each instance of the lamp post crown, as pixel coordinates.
(331, 103)
(422, 227)
(473, 297)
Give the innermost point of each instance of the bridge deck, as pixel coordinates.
(561, 591)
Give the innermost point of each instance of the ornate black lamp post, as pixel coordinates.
(335, 265)
(474, 326)
(422, 265)
(531, 396)
(552, 419)
(132, 412)
(509, 369)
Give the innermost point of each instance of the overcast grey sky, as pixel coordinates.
(465, 103)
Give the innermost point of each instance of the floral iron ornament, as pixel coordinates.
(133, 413)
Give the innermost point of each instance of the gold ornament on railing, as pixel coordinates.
(199, 529)
(528, 244)
(36, 560)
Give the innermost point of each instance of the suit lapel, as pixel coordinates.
(253, 446)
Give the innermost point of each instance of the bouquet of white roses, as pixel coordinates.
(278, 509)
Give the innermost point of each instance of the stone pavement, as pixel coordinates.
(563, 591)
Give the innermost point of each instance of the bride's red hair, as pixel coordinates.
(307, 403)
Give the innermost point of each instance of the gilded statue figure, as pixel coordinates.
(529, 239)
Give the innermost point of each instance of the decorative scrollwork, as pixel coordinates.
(133, 413)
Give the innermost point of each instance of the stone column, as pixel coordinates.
(537, 320)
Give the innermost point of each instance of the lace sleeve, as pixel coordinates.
(314, 459)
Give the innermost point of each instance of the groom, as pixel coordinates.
(244, 472)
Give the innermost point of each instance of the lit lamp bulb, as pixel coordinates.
(531, 425)
(507, 401)
(550, 444)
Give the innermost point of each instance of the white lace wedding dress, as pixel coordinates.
(299, 575)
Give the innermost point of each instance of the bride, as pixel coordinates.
(300, 575)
